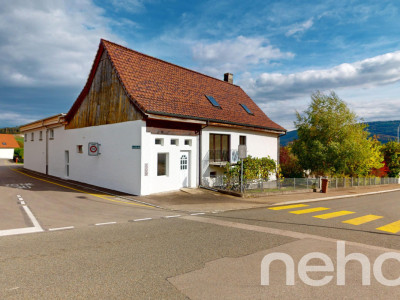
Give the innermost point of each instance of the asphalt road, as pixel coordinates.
(210, 256)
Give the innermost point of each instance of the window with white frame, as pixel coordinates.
(175, 142)
(32, 136)
(40, 135)
(51, 134)
(25, 137)
(162, 164)
(159, 141)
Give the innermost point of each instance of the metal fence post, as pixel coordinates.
(294, 183)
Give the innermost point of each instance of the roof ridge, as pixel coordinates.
(169, 63)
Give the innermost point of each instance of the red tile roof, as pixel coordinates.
(159, 87)
(8, 141)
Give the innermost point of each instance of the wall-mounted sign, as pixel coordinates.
(136, 147)
(94, 149)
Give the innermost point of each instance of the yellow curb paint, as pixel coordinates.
(334, 214)
(288, 206)
(70, 188)
(392, 227)
(308, 210)
(362, 220)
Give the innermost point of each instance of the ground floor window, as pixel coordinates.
(162, 164)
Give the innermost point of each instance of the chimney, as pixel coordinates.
(228, 77)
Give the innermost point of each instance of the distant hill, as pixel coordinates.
(9, 130)
(385, 131)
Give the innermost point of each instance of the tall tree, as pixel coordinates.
(391, 153)
(331, 141)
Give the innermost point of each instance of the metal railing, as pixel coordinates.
(292, 184)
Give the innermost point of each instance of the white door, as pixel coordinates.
(184, 169)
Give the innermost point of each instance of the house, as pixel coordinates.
(142, 125)
(7, 146)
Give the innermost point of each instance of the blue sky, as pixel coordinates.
(279, 51)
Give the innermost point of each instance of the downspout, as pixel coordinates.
(200, 155)
(47, 151)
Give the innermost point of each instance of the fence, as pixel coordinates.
(291, 184)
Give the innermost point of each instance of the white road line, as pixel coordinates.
(19, 231)
(32, 218)
(196, 214)
(19, 196)
(144, 219)
(172, 216)
(106, 223)
(22, 202)
(61, 228)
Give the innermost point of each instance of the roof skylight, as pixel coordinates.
(213, 101)
(246, 109)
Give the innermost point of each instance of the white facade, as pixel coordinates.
(130, 155)
(259, 144)
(7, 153)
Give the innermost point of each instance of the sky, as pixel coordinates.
(280, 52)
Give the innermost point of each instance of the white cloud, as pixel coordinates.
(49, 42)
(133, 6)
(235, 55)
(300, 28)
(16, 119)
(371, 72)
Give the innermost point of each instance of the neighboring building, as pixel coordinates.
(7, 146)
(142, 125)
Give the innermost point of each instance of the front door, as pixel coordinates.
(184, 169)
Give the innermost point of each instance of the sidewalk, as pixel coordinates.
(202, 200)
(208, 201)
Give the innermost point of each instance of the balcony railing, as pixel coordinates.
(219, 156)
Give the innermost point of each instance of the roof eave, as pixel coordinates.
(207, 120)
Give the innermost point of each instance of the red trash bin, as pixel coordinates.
(324, 185)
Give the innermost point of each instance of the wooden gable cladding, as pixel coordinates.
(106, 102)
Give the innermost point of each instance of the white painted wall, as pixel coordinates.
(35, 151)
(259, 144)
(170, 182)
(7, 153)
(118, 166)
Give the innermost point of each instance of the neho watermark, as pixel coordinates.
(342, 259)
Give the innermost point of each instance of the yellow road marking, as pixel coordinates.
(308, 210)
(288, 206)
(334, 214)
(392, 227)
(362, 220)
(70, 188)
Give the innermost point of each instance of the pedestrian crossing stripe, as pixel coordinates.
(362, 220)
(392, 227)
(334, 214)
(308, 210)
(288, 206)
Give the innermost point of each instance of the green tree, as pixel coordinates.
(289, 164)
(391, 153)
(332, 142)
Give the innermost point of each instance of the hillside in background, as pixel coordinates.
(384, 130)
(9, 130)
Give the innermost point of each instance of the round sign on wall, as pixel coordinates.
(93, 149)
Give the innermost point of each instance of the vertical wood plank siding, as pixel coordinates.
(106, 102)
